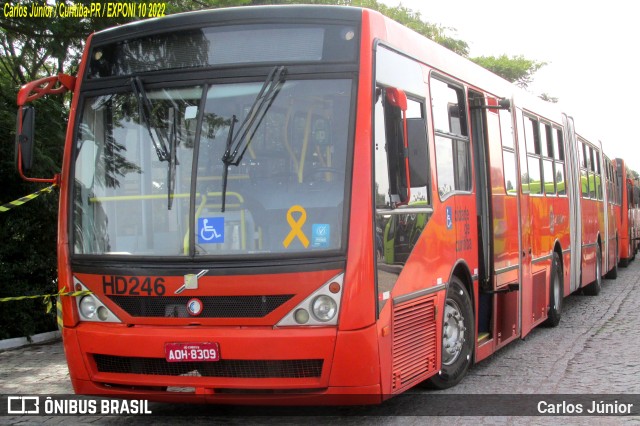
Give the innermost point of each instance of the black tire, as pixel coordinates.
(594, 288)
(624, 262)
(457, 337)
(556, 293)
(613, 273)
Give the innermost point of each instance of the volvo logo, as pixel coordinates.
(194, 307)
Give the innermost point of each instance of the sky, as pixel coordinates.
(592, 49)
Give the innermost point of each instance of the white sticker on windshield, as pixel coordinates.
(320, 235)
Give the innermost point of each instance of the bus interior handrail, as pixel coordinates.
(405, 210)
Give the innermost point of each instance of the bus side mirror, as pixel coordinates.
(418, 152)
(25, 126)
(396, 133)
(24, 137)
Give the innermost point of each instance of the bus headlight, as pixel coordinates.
(324, 308)
(88, 307)
(319, 309)
(301, 316)
(103, 313)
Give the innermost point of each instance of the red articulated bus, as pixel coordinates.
(306, 203)
(627, 194)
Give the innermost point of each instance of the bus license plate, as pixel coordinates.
(192, 352)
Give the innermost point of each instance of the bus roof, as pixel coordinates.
(235, 15)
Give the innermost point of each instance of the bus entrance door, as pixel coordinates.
(498, 223)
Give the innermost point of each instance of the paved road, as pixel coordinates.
(594, 350)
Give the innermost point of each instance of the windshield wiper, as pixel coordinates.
(238, 143)
(144, 105)
(225, 172)
(159, 143)
(173, 141)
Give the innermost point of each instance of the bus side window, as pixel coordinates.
(391, 185)
(598, 178)
(548, 173)
(584, 174)
(592, 173)
(418, 159)
(390, 174)
(532, 136)
(452, 138)
(509, 167)
(394, 132)
(559, 163)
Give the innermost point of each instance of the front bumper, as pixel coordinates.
(258, 365)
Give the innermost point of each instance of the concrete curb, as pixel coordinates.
(19, 342)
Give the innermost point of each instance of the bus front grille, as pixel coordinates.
(255, 369)
(213, 306)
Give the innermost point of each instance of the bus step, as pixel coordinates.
(506, 289)
(483, 337)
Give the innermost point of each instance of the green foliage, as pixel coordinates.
(548, 98)
(413, 20)
(178, 6)
(28, 233)
(516, 69)
(401, 14)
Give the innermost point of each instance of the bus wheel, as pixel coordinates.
(625, 262)
(594, 288)
(555, 293)
(457, 337)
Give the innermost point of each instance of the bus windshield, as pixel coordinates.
(149, 170)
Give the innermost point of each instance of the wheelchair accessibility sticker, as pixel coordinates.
(211, 230)
(320, 235)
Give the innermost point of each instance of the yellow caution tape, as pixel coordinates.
(20, 201)
(47, 297)
(59, 314)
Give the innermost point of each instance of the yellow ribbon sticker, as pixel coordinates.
(296, 226)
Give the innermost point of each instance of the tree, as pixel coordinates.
(413, 20)
(516, 69)
(548, 98)
(401, 14)
(28, 233)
